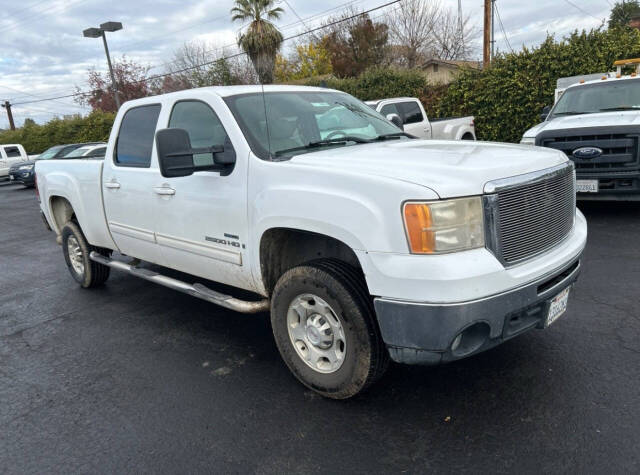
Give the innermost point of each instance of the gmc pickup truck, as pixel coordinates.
(409, 114)
(363, 243)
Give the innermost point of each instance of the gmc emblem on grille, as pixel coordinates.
(587, 153)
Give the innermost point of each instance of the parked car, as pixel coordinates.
(364, 245)
(408, 113)
(88, 151)
(594, 122)
(24, 173)
(11, 154)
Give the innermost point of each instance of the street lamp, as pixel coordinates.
(100, 32)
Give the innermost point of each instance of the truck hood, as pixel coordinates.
(602, 119)
(449, 168)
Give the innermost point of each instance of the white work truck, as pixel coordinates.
(595, 123)
(10, 154)
(362, 242)
(409, 114)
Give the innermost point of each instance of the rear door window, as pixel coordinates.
(412, 112)
(136, 135)
(390, 109)
(12, 152)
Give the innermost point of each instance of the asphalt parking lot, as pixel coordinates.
(134, 377)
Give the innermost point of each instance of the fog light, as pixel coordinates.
(470, 340)
(456, 342)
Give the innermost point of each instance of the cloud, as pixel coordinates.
(43, 52)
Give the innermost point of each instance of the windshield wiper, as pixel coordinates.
(620, 108)
(319, 143)
(572, 113)
(393, 135)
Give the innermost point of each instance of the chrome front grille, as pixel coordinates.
(530, 215)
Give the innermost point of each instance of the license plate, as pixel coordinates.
(587, 186)
(558, 306)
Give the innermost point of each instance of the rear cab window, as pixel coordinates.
(12, 152)
(136, 135)
(412, 112)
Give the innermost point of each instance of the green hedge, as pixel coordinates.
(377, 83)
(506, 99)
(37, 138)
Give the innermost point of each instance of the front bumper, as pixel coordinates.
(612, 186)
(419, 333)
(24, 177)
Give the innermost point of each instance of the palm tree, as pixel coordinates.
(262, 40)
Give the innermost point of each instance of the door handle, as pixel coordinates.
(164, 190)
(114, 185)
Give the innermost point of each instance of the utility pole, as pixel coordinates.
(486, 43)
(7, 105)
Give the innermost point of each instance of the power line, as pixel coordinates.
(582, 10)
(42, 13)
(506, 38)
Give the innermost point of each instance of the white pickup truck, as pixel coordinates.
(11, 154)
(362, 242)
(595, 123)
(409, 114)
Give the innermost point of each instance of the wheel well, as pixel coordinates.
(61, 212)
(283, 248)
(467, 136)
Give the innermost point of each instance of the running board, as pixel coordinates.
(196, 290)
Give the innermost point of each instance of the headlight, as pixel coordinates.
(444, 226)
(528, 141)
(26, 167)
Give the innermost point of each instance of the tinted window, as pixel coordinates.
(78, 152)
(412, 112)
(204, 128)
(98, 152)
(390, 109)
(12, 152)
(135, 139)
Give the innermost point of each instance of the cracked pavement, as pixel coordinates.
(133, 377)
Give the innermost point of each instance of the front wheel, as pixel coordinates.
(76, 251)
(325, 329)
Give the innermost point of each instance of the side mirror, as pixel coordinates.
(175, 156)
(545, 113)
(395, 120)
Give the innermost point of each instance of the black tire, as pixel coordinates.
(93, 274)
(343, 288)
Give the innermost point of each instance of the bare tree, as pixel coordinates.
(412, 27)
(451, 41)
(199, 64)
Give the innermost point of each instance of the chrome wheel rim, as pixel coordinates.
(316, 333)
(75, 255)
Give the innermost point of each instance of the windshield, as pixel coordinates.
(599, 97)
(302, 122)
(78, 152)
(50, 153)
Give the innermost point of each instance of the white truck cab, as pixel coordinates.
(408, 113)
(362, 242)
(595, 123)
(11, 154)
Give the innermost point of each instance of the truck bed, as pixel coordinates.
(79, 182)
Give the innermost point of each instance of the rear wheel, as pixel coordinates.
(76, 252)
(325, 329)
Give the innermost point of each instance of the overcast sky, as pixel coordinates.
(43, 53)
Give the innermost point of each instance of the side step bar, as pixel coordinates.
(196, 290)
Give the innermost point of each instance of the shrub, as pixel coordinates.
(37, 138)
(506, 99)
